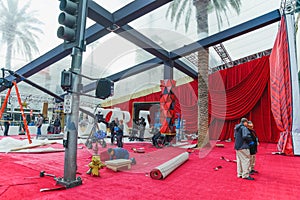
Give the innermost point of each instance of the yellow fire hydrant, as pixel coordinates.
(95, 166)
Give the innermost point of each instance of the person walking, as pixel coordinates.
(6, 124)
(134, 131)
(112, 126)
(119, 133)
(142, 128)
(242, 145)
(253, 148)
(56, 125)
(39, 124)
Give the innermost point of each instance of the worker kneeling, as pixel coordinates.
(119, 153)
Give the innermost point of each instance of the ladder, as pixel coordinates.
(21, 108)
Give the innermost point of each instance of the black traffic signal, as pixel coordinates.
(66, 80)
(297, 6)
(72, 20)
(105, 88)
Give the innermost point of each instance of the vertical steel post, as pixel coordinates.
(70, 166)
(70, 163)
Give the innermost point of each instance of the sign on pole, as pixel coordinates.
(68, 104)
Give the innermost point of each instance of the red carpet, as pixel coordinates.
(195, 179)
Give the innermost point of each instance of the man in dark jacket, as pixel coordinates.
(119, 132)
(142, 128)
(112, 126)
(242, 144)
(56, 125)
(6, 124)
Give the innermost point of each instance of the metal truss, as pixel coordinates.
(123, 16)
(117, 22)
(223, 53)
(242, 60)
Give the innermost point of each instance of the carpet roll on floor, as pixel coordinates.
(163, 170)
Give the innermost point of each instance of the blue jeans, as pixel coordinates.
(119, 140)
(39, 132)
(177, 135)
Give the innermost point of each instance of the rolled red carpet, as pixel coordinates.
(156, 174)
(163, 170)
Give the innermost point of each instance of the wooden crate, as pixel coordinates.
(117, 164)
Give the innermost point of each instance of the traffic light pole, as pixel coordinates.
(70, 140)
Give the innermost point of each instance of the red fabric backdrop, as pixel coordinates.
(247, 95)
(281, 89)
(241, 91)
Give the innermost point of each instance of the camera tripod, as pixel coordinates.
(96, 135)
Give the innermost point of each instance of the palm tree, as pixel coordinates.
(19, 29)
(176, 9)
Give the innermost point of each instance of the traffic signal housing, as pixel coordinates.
(72, 20)
(297, 9)
(105, 88)
(66, 80)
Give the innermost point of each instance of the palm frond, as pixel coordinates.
(180, 12)
(218, 20)
(221, 8)
(173, 8)
(3, 8)
(188, 16)
(12, 5)
(227, 19)
(236, 5)
(20, 28)
(27, 50)
(35, 29)
(27, 46)
(169, 9)
(25, 7)
(27, 38)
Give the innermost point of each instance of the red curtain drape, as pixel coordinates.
(241, 91)
(234, 92)
(281, 89)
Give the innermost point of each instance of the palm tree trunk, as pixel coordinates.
(203, 62)
(8, 55)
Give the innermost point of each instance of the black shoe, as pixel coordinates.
(253, 171)
(249, 178)
(133, 161)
